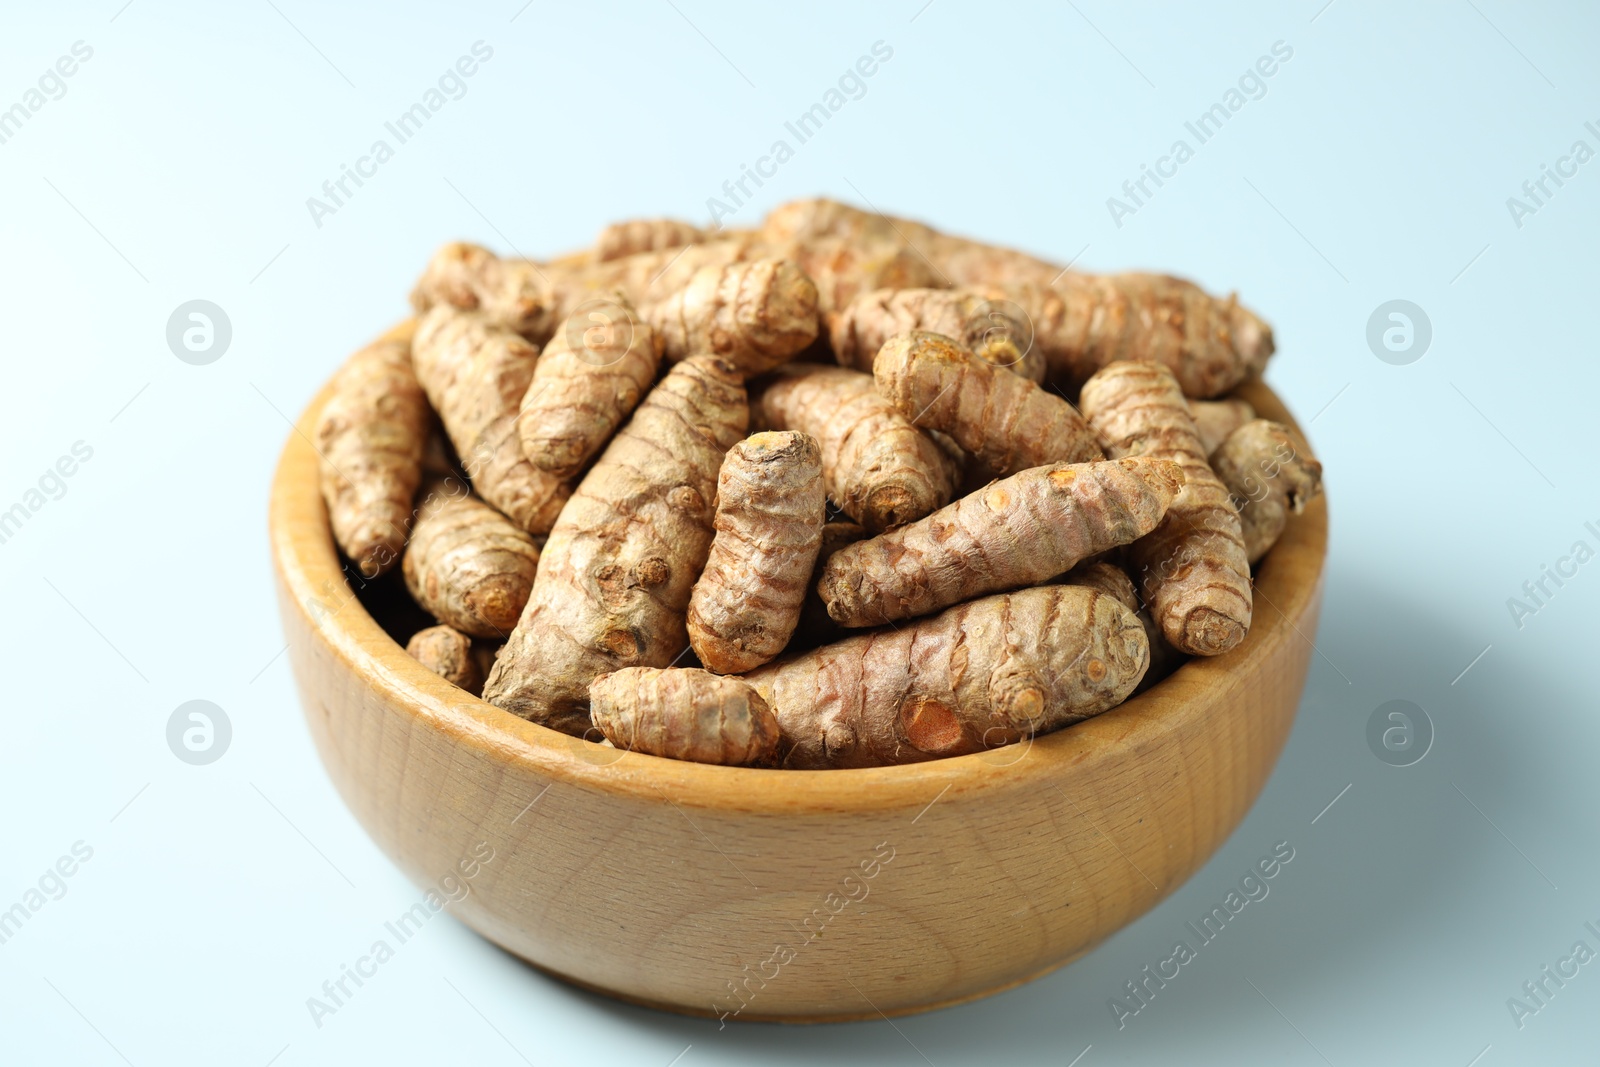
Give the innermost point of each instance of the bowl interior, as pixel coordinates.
(1287, 583)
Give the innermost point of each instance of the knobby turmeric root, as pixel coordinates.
(370, 441)
(476, 374)
(818, 218)
(448, 653)
(756, 314)
(1112, 579)
(981, 674)
(644, 235)
(1024, 529)
(1007, 423)
(1270, 473)
(589, 378)
(1216, 419)
(770, 512)
(616, 573)
(1193, 569)
(878, 467)
(849, 252)
(511, 293)
(1081, 322)
(981, 319)
(684, 713)
(468, 565)
(649, 277)
(532, 299)
(1108, 578)
(844, 269)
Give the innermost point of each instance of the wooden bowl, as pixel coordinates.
(787, 895)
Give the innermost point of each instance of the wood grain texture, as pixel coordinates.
(665, 883)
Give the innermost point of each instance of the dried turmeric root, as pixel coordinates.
(878, 467)
(1081, 322)
(615, 576)
(532, 299)
(757, 314)
(370, 439)
(849, 252)
(684, 713)
(1193, 569)
(981, 319)
(844, 269)
(1216, 419)
(1112, 579)
(512, 293)
(448, 653)
(1108, 578)
(1021, 530)
(1270, 473)
(979, 675)
(649, 277)
(588, 380)
(476, 374)
(770, 512)
(644, 235)
(735, 296)
(818, 218)
(468, 565)
(1007, 423)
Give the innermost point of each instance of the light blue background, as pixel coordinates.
(1377, 166)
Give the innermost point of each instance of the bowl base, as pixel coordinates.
(809, 1020)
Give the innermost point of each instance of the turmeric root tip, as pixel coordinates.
(1193, 569)
(448, 653)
